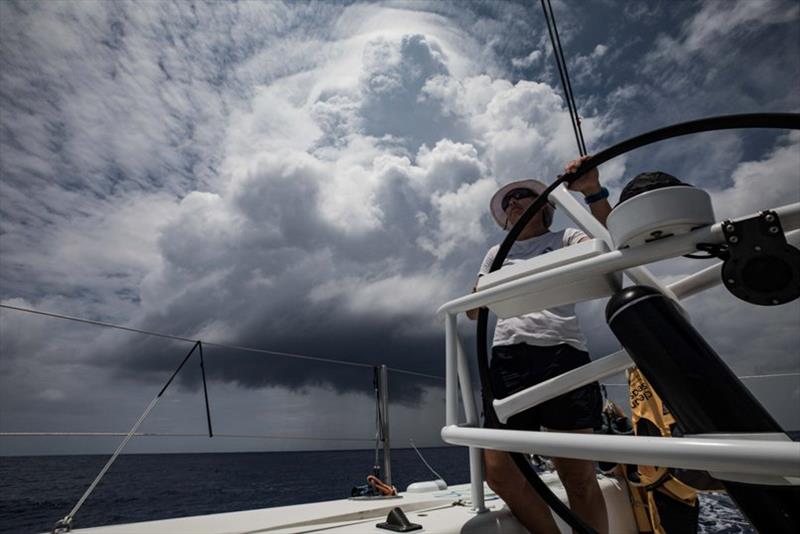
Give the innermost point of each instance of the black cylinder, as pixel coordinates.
(700, 390)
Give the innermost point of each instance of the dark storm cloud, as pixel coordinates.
(347, 338)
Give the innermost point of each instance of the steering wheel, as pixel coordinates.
(725, 122)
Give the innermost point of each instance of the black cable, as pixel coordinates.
(561, 72)
(699, 256)
(564, 82)
(185, 359)
(568, 85)
(788, 121)
(205, 389)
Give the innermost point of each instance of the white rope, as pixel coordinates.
(68, 519)
(432, 470)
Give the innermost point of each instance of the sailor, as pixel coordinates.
(540, 345)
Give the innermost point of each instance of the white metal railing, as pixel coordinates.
(552, 388)
(759, 458)
(722, 455)
(610, 262)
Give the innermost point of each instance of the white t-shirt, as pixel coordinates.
(547, 327)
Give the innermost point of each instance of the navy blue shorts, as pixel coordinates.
(516, 367)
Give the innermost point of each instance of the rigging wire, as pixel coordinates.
(170, 435)
(67, 521)
(746, 377)
(211, 343)
(205, 390)
(378, 419)
(561, 63)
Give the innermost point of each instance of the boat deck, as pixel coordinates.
(442, 512)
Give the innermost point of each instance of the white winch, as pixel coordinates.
(659, 213)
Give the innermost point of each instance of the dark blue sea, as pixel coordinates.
(36, 491)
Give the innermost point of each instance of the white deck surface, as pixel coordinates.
(442, 512)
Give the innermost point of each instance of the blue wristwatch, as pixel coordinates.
(600, 195)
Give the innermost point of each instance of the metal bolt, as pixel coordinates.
(773, 229)
(733, 239)
(770, 217)
(729, 228)
(757, 248)
(731, 281)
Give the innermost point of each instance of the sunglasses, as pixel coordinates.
(517, 194)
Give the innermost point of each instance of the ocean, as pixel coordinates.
(36, 491)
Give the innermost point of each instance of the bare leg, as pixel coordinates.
(505, 479)
(585, 497)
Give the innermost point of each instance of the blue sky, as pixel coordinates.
(314, 178)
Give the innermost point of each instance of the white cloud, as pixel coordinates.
(460, 215)
(449, 165)
(395, 295)
(588, 69)
(720, 20)
(767, 183)
(362, 23)
(713, 43)
(714, 24)
(527, 104)
(599, 51)
(273, 121)
(638, 11)
(350, 172)
(528, 61)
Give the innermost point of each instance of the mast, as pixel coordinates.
(383, 386)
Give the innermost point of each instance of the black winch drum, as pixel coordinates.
(701, 391)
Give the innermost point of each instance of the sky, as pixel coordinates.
(314, 178)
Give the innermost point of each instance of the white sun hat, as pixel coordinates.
(496, 204)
